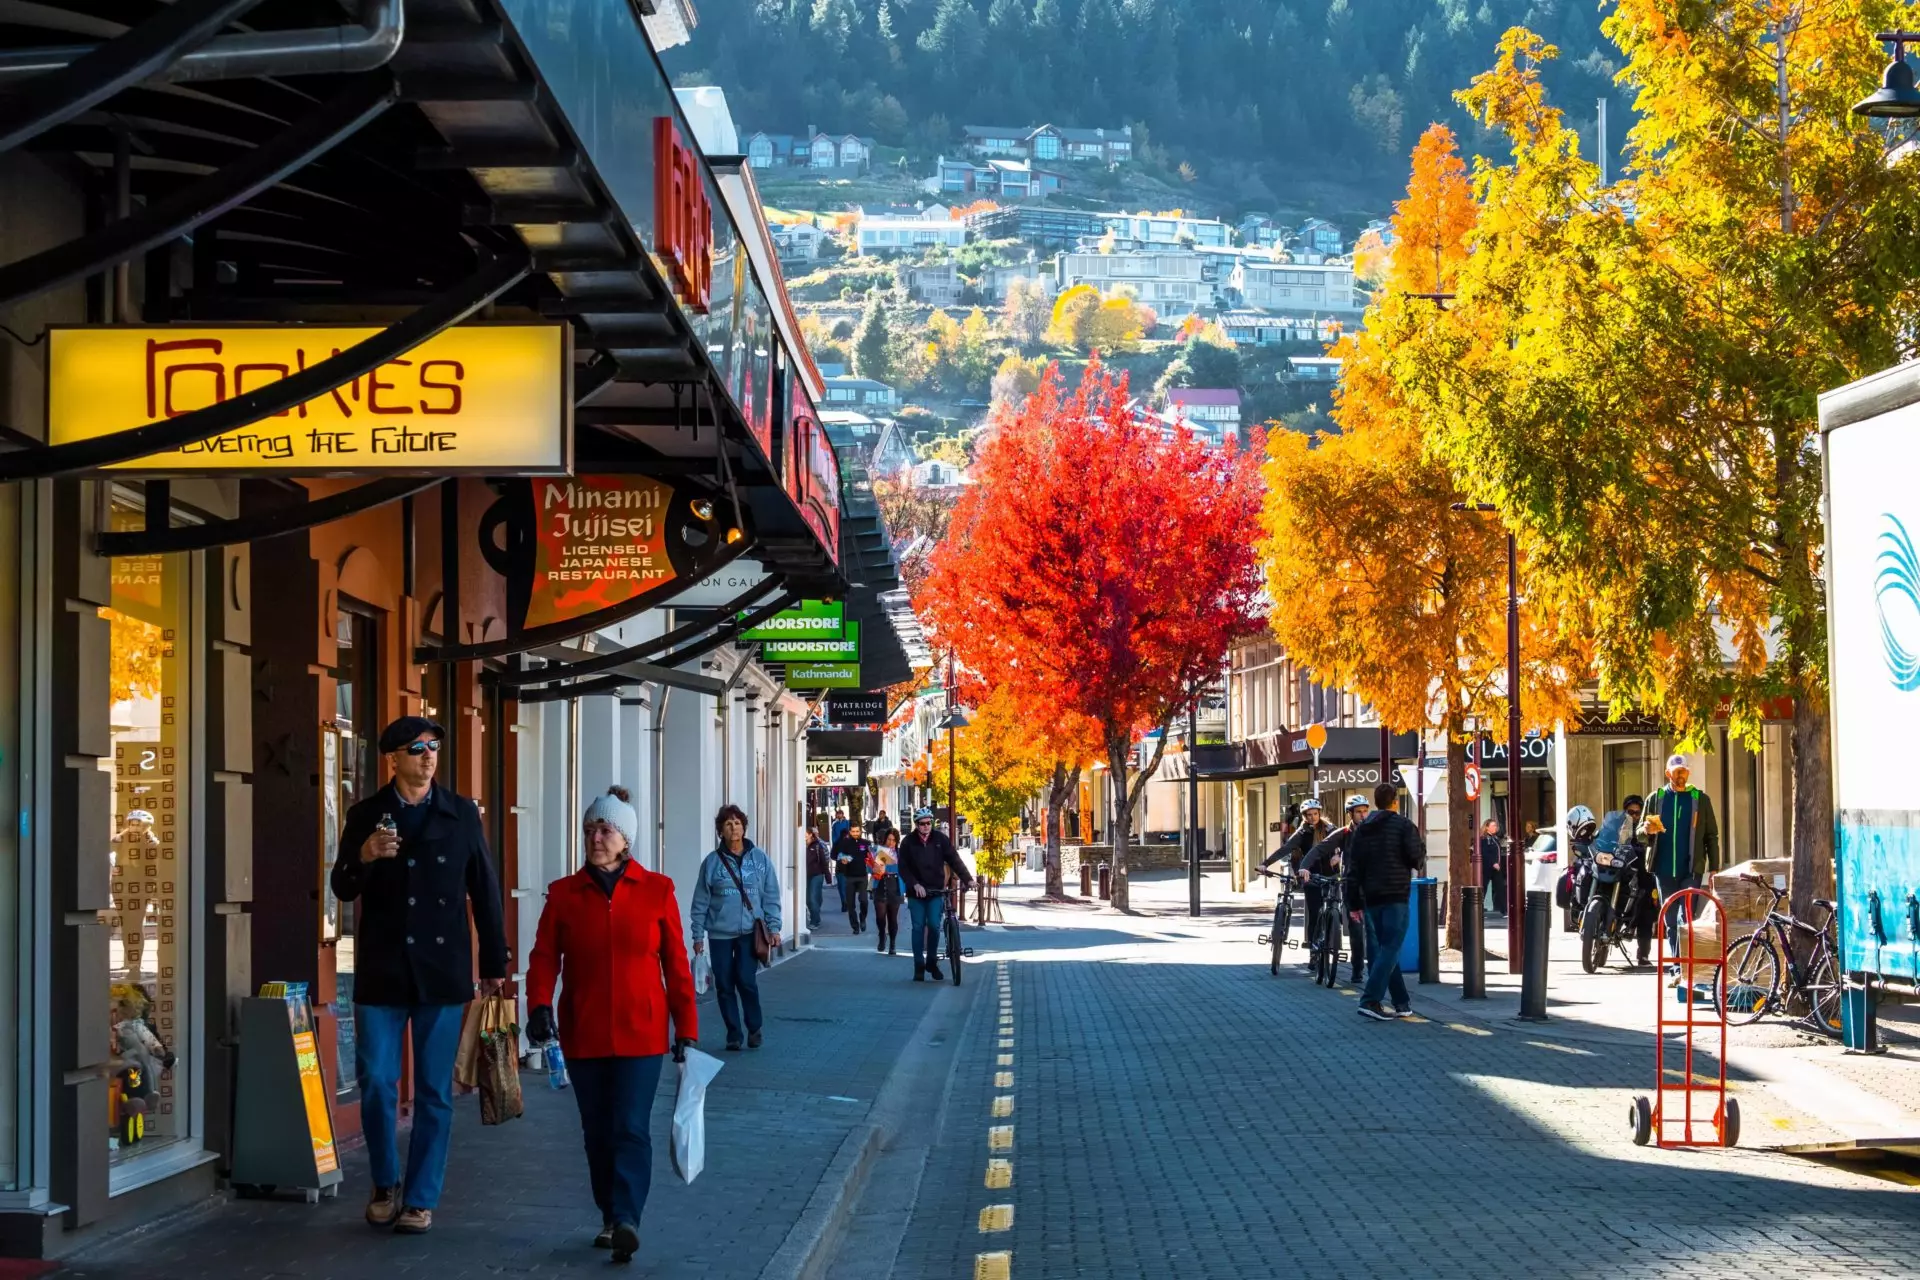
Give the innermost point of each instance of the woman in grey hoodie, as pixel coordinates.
(737, 885)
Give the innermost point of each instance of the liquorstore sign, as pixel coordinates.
(489, 399)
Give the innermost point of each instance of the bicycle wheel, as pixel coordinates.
(1823, 993)
(953, 947)
(1748, 983)
(1282, 916)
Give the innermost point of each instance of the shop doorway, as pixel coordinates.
(356, 714)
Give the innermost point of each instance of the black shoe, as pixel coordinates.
(626, 1241)
(733, 1046)
(880, 945)
(892, 952)
(605, 1239)
(753, 1039)
(1375, 1012)
(919, 975)
(933, 971)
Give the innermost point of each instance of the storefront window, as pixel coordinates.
(147, 924)
(356, 708)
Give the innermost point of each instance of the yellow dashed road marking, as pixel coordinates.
(1003, 1105)
(1464, 1029)
(1000, 1138)
(1007, 1042)
(1003, 1079)
(999, 1174)
(1006, 1060)
(997, 1217)
(993, 1266)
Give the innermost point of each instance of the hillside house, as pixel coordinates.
(1038, 225)
(995, 281)
(859, 394)
(886, 237)
(1170, 283)
(1048, 142)
(1154, 231)
(1313, 369)
(776, 150)
(1217, 406)
(937, 284)
(939, 476)
(798, 244)
(1293, 286)
(1263, 329)
(1005, 179)
(1318, 238)
(893, 452)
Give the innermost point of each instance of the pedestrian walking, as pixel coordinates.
(840, 825)
(610, 932)
(926, 857)
(1381, 858)
(414, 855)
(735, 887)
(819, 875)
(1359, 937)
(880, 829)
(1493, 865)
(850, 854)
(887, 894)
(1684, 844)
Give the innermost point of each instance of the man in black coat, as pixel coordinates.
(850, 854)
(926, 856)
(1382, 855)
(413, 855)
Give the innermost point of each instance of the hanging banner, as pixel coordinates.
(840, 675)
(489, 399)
(808, 620)
(845, 649)
(857, 708)
(833, 773)
(599, 541)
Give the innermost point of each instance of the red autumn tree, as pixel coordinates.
(1099, 568)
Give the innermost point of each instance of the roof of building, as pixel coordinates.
(996, 131)
(1203, 396)
(858, 384)
(1094, 135)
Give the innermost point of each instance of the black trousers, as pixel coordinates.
(1315, 898)
(858, 900)
(1495, 879)
(1357, 943)
(886, 914)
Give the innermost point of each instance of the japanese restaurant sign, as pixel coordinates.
(599, 541)
(492, 399)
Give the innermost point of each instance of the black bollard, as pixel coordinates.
(1473, 945)
(1429, 931)
(1106, 882)
(1086, 879)
(1533, 973)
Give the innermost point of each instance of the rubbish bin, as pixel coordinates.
(1410, 945)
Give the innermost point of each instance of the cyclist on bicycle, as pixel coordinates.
(1312, 830)
(926, 856)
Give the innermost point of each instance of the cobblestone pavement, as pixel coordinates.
(516, 1199)
(1174, 1110)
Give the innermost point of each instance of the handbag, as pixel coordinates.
(762, 936)
(499, 1065)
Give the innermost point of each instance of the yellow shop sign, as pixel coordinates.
(494, 399)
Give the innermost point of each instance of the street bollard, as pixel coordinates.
(1106, 882)
(1086, 879)
(1533, 974)
(1473, 945)
(1429, 931)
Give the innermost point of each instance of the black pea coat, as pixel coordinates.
(413, 942)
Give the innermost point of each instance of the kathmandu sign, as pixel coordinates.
(486, 399)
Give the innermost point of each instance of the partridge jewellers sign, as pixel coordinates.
(492, 399)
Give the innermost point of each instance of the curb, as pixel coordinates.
(812, 1241)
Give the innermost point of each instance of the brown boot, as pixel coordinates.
(414, 1222)
(384, 1207)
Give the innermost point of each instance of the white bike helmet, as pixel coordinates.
(1581, 824)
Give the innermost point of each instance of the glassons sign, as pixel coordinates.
(492, 398)
(682, 217)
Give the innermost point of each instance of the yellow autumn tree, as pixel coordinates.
(1000, 766)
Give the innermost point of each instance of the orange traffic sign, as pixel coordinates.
(1316, 736)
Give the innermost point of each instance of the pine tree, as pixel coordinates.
(870, 340)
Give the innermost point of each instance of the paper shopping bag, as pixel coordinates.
(466, 1061)
(499, 1064)
(689, 1151)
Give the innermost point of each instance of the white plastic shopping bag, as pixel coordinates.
(702, 974)
(689, 1152)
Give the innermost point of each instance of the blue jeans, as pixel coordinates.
(924, 919)
(736, 983)
(615, 1097)
(816, 890)
(381, 1032)
(1387, 925)
(1670, 885)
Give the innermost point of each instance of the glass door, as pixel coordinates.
(356, 713)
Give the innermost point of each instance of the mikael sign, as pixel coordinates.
(682, 216)
(495, 399)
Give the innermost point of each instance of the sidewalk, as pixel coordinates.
(784, 1131)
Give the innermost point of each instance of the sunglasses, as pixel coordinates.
(421, 748)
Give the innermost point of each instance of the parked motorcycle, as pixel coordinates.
(1621, 889)
(1575, 889)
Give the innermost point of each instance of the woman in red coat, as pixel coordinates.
(611, 931)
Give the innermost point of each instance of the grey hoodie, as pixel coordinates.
(717, 908)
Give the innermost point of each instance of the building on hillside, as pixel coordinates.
(1042, 226)
(1318, 369)
(1263, 329)
(851, 430)
(1048, 143)
(1217, 406)
(893, 451)
(1168, 282)
(1168, 231)
(1261, 230)
(886, 236)
(937, 284)
(997, 280)
(1292, 286)
(999, 179)
(776, 150)
(859, 393)
(1317, 240)
(841, 154)
(799, 245)
(939, 476)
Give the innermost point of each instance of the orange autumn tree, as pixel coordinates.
(1378, 585)
(1098, 569)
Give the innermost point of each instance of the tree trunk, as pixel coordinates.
(1122, 822)
(1056, 796)
(1812, 871)
(1461, 846)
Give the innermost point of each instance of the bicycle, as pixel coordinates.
(951, 928)
(1748, 984)
(1282, 920)
(1329, 931)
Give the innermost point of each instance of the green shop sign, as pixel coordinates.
(809, 620)
(824, 675)
(844, 649)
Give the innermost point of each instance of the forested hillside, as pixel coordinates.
(1254, 96)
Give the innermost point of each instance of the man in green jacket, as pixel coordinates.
(1683, 840)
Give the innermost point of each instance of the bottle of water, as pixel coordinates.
(556, 1065)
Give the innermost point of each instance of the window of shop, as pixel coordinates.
(438, 706)
(149, 921)
(356, 714)
(1628, 765)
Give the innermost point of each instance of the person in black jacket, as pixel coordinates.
(1493, 864)
(413, 855)
(1298, 847)
(926, 857)
(1381, 858)
(850, 854)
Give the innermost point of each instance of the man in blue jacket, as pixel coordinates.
(1683, 839)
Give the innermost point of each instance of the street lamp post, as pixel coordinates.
(1516, 837)
(1193, 808)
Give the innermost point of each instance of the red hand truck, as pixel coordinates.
(1670, 1117)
